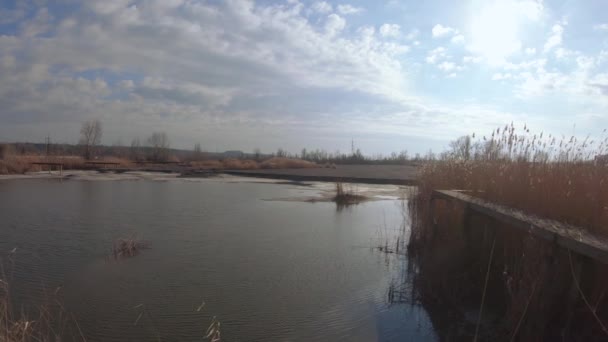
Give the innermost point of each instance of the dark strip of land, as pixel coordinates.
(370, 174)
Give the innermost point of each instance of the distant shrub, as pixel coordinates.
(287, 163)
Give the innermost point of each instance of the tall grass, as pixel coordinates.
(20, 164)
(556, 178)
(531, 281)
(346, 195)
(127, 247)
(45, 321)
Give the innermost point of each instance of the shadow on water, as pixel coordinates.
(449, 316)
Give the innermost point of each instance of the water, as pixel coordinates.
(268, 270)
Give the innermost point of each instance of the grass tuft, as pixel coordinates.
(128, 247)
(346, 196)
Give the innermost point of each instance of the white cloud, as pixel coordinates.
(198, 60)
(446, 66)
(439, 31)
(562, 53)
(501, 76)
(497, 27)
(322, 7)
(555, 39)
(457, 39)
(228, 70)
(40, 24)
(334, 24)
(435, 55)
(390, 30)
(601, 27)
(472, 59)
(412, 34)
(533, 9)
(349, 9)
(600, 83)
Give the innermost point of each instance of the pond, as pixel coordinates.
(268, 270)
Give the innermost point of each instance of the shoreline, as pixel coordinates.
(317, 178)
(362, 174)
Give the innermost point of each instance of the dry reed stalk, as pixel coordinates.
(127, 247)
(346, 196)
(213, 332)
(46, 321)
(543, 175)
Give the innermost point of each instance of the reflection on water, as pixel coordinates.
(268, 270)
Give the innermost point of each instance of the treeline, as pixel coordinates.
(356, 157)
(157, 148)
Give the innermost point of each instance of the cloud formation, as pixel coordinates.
(291, 73)
(439, 31)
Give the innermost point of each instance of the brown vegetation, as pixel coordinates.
(45, 322)
(248, 164)
(537, 290)
(20, 164)
(127, 247)
(286, 163)
(346, 196)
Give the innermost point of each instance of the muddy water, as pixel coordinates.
(268, 270)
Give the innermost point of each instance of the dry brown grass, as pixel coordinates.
(127, 247)
(241, 164)
(12, 165)
(20, 164)
(248, 164)
(346, 195)
(287, 163)
(550, 177)
(47, 321)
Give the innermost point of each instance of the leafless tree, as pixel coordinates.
(159, 144)
(281, 153)
(461, 148)
(198, 153)
(90, 137)
(135, 152)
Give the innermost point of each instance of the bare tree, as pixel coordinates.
(159, 144)
(90, 137)
(257, 154)
(461, 148)
(198, 152)
(136, 150)
(281, 153)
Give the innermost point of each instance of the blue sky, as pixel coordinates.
(242, 74)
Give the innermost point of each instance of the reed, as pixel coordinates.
(346, 195)
(45, 321)
(128, 247)
(530, 280)
(21, 164)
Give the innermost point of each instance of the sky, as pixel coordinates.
(242, 74)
